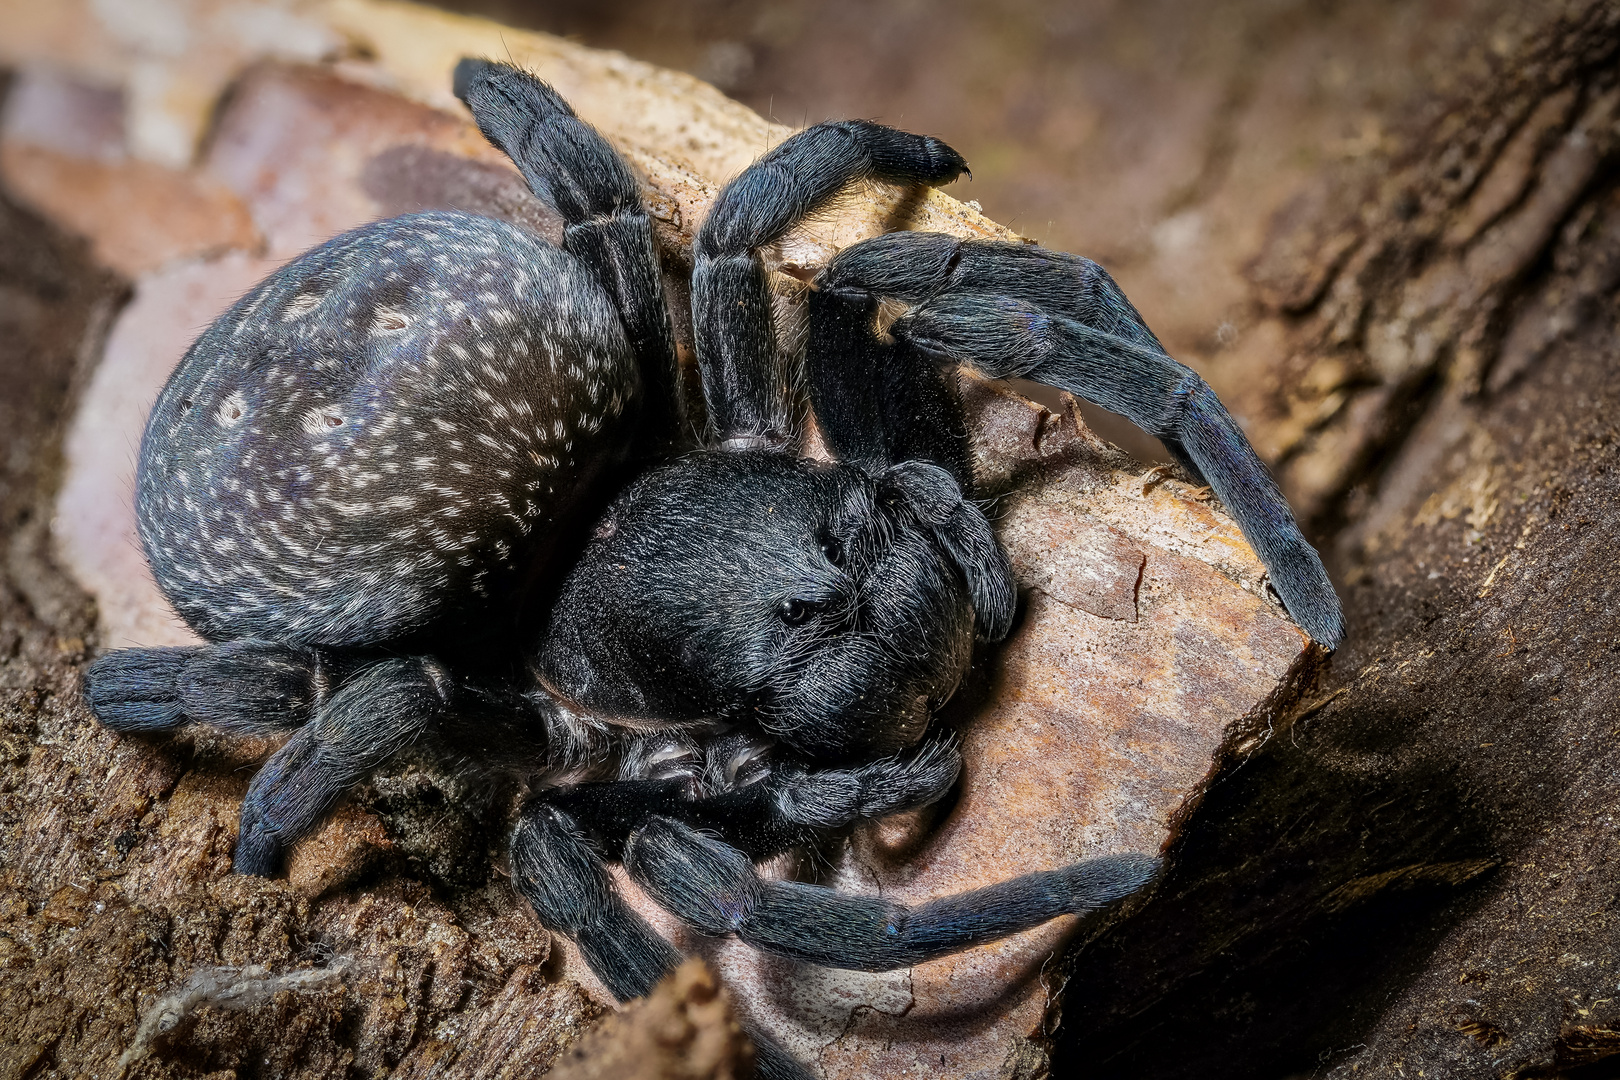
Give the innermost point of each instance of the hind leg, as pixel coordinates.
(375, 714)
(251, 687)
(347, 722)
(567, 884)
(568, 164)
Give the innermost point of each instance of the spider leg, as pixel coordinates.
(567, 884)
(253, 687)
(375, 714)
(1014, 311)
(788, 808)
(568, 164)
(874, 403)
(916, 266)
(713, 886)
(731, 299)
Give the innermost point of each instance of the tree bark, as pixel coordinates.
(1417, 876)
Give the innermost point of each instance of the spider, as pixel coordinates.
(425, 484)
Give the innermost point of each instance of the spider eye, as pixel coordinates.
(797, 612)
(832, 550)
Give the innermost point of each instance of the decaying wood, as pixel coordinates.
(685, 1029)
(1420, 876)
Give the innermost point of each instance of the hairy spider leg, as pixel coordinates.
(713, 886)
(745, 390)
(873, 403)
(375, 714)
(567, 884)
(569, 165)
(252, 687)
(711, 883)
(1013, 310)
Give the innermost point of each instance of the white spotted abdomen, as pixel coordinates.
(381, 436)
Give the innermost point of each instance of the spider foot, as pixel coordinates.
(378, 712)
(1098, 883)
(138, 689)
(563, 159)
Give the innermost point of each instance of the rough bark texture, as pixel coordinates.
(1418, 874)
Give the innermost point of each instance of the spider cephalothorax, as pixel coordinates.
(818, 602)
(376, 487)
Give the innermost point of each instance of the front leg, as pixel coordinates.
(713, 886)
(1011, 310)
(731, 298)
(1006, 338)
(566, 883)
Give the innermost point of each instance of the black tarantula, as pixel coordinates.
(374, 487)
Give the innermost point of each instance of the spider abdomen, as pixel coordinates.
(382, 436)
